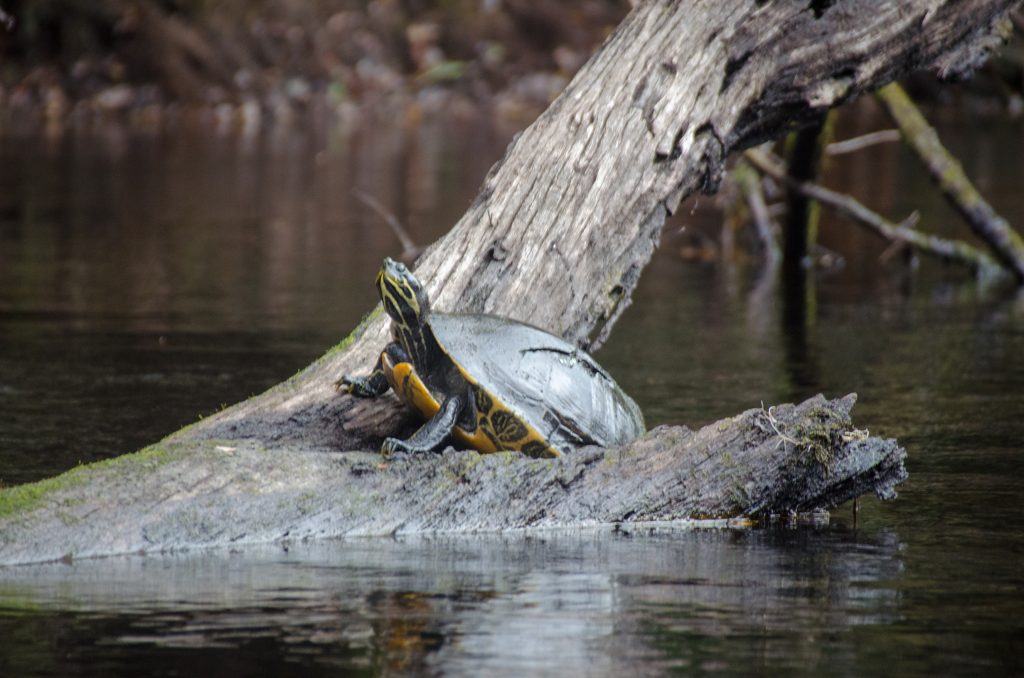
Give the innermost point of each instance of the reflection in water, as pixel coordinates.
(598, 602)
(799, 311)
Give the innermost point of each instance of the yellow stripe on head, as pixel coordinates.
(402, 295)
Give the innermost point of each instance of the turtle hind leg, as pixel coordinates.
(430, 436)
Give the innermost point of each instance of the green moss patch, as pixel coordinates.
(819, 432)
(22, 499)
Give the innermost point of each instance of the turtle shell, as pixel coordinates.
(547, 383)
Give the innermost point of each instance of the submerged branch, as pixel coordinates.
(749, 183)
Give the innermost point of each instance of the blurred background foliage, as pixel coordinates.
(208, 51)
(256, 61)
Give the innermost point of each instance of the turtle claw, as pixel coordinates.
(393, 447)
(357, 386)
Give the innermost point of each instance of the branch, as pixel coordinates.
(749, 183)
(978, 261)
(410, 250)
(864, 141)
(946, 171)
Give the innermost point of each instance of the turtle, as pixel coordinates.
(491, 383)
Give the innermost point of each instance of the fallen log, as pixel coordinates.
(782, 460)
(558, 236)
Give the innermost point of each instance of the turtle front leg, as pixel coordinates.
(373, 386)
(430, 436)
(376, 383)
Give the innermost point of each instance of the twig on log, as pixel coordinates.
(882, 136)
(946, 171)
(770, 417)
(982, 264)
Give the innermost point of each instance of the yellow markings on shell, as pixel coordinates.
(532, 443)
(411, 390)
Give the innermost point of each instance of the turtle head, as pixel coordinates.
(404, 298)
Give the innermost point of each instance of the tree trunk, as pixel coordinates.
(805, 152)
(558, 235)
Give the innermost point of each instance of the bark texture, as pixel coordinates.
(188, 495)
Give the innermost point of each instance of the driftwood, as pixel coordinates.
(882, 136)
(558, 236)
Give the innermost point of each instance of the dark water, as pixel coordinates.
(147, 279)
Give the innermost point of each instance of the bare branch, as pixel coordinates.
(749, 183)
(946, 171)
(951, 250)
(864, 141)
(410, 250)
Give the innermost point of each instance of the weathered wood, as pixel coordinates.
(200, 494)
(558, 235)
(855, 144)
